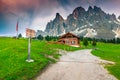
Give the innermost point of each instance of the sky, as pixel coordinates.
(35, 14)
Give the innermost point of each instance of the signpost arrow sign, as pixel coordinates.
(29, 33)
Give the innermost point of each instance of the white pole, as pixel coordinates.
(29, 49)
(17, 34)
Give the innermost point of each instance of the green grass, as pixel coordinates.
(13, 53)
(110, 52)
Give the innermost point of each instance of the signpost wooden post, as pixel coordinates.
(30, 34)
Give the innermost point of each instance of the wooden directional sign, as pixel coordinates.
(30, 33)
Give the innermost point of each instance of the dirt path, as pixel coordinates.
(78, 65)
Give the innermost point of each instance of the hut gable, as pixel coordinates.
(69, 39)
(68, 35)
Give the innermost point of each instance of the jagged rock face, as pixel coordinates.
(82, 22)
(76, 19)
(119, 17)
(56, 27)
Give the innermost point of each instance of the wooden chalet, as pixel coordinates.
(69, 39)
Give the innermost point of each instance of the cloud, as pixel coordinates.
(36, 13)
(20, 8)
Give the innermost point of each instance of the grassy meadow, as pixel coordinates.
(111, 52)
(13, 53)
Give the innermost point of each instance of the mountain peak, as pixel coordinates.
(90, 8)
(58, 17)
(119, 17)
(97, 9)
(57, 14)
(79, 9)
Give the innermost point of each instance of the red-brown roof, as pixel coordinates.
(67, 34)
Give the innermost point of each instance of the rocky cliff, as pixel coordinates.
(93, 22)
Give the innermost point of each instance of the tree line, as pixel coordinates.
(47, 38)
(114, 40)
(55, 38)
(90, 40)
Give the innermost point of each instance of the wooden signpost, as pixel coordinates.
(30, 34)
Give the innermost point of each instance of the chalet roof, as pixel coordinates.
(68, 34)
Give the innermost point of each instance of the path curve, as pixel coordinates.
(78, 65)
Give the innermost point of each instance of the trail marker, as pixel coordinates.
(30, 34)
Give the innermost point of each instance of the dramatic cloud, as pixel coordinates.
(36, 13)
(27, 12)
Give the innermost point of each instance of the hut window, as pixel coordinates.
(73, 42)
(67, 41)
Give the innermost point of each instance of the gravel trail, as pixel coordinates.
(78, 65)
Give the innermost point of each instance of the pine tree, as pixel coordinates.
(85, 42)
(20, 35)
(94, 43)
(40, 37)
(47, 38)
